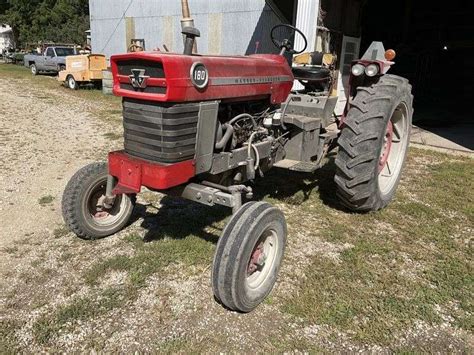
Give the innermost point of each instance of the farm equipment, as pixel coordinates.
(83, 69)
(204, 127)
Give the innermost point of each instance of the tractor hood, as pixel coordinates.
(166, 77)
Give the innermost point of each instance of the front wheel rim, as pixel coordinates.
(72, 83)
(94, 210)
(262, 260)
(394, 148)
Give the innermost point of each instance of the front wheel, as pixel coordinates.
(373, 144)
(83, 207)
(248, 256)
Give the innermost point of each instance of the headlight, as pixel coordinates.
(358, 69)
(372, 70)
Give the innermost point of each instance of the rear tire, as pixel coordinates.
(72, 83)
(248, 256)
(81, 207)
(34, 69)
(374, 143)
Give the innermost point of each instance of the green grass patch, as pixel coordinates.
(150, 258)
(109, 103)
(45, 200)
(11, 250)
(8, 339)
(61, 231)
(113, 136)
(407, 260)
(47, 326)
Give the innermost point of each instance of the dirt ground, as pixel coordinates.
(345, 285)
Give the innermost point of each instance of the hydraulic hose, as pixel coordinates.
(229, 131)
(243, 115)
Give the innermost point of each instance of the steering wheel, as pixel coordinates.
(286, 43)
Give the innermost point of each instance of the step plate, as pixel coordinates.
(304, 167)
(294, 165)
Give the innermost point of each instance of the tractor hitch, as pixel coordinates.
(210, 194)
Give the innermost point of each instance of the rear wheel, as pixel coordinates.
(374, 143)
(83, 205)
(72, 83)
(34, 69)
(248, 256)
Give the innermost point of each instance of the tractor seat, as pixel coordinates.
(311, 73)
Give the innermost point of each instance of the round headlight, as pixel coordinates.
(372, 70)
(358, 69)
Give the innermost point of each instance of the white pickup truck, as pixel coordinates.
(53, 60)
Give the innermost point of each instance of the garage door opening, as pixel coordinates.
(434, 41)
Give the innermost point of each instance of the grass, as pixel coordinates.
(173, 243)
(113, 136)
(61, 231)
(8, 340)
(388, 280)
(80, 309)
(45, 200)
(110, 104)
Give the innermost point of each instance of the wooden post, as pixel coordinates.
(129, 31)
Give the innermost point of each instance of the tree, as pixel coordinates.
(46, 20)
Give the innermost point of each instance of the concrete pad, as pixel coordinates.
(458, 137)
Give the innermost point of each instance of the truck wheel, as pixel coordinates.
(34, 69)
(373, 144)
(248, 256)
(82, 204)
(72, 83)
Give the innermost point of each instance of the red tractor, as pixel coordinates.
(204, 127)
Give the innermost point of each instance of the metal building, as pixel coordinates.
(227, 26)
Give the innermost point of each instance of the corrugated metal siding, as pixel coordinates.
(307, 21)
(240, 25)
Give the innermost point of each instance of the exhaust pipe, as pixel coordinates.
(186, 23)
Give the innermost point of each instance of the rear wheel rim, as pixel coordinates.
(96, 213)
(394, 149)
(262, 260)
(33, 69)
(72, 83)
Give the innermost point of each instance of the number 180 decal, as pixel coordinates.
(199, 75)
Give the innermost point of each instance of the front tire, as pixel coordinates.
(248, 256)
(373, 144)
(82, 204)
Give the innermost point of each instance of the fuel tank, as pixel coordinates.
(177, 78)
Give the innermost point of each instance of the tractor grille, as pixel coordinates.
(152, 69)
(148, 89)
(164, 133)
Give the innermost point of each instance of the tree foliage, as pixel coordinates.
(46, 20)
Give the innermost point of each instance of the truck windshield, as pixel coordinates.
(64, 52)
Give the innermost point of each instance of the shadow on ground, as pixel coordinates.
(178, 218)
